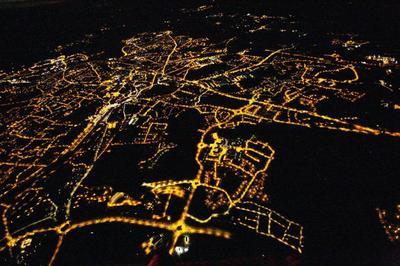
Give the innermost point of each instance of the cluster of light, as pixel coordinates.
(47, 139)
(390, 222)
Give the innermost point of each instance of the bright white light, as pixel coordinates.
(181, 250)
